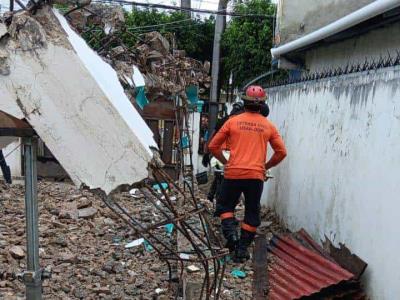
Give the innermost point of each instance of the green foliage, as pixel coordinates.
(247, 41)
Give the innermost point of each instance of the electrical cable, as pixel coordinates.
(12, 151)
(162, 6)
(160, 25)
(167, 28)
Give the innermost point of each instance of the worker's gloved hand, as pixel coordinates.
(206, 160)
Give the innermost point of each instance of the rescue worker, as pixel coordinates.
(249, 134)
(218, 167)
(237, 108)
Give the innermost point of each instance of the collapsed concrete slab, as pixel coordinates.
(73, 100)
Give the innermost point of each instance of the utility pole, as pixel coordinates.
(219, 29)
(186, 4)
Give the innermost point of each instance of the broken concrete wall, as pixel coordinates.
(74, 101)
(341, 176)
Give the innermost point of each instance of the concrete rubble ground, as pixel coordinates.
(87, 254)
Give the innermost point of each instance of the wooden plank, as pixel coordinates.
(161, 110)
(260, 267)
(11, 126)
(168, 142)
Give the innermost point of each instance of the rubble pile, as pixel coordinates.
(83, 245)
(167, 71)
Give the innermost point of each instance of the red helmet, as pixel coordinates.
(255, 93)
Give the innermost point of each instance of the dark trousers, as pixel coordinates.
(4, 168)
(230, 193)
(215, 188)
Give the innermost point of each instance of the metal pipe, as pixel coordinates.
(363, 14)
(32, 277)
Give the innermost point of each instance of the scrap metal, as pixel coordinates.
(300, 269)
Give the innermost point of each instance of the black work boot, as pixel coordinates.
(229, 229)
(241, 253)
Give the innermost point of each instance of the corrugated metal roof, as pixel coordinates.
(297, 271)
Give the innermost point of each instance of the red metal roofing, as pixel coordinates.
(297, 271)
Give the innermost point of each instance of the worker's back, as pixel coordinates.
(249, 134)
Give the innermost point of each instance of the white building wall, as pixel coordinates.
(372, 46)
(299, 17)
(341, 177)
(194, 124)
(12, 154)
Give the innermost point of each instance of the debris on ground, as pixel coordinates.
(87, 257)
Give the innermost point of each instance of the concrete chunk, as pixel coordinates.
(75, 102)
(17, 252)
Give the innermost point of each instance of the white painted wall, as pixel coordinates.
(300, 17)
(342, 173)
(194, 123)
(372, 45)
(12, 154)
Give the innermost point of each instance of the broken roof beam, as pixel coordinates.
(74, 102)
(13, 127)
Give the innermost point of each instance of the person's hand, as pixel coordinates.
(268, 175)
(206, 160)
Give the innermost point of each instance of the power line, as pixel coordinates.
(168, 28)
(160, 25)
(163, 6)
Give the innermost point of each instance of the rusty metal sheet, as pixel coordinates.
(306, 240)
(297, 271)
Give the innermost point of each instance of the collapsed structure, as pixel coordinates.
(73, 100)
(167, 71)
(75, 103)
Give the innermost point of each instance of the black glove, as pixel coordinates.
(206, 160)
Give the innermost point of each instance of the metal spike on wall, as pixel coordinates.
(368, 65)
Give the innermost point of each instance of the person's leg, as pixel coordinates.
(220, 181)
(230, 193)
(252, 193)
(213, 188)
(5, 169)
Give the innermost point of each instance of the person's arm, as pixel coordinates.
(279, 148)
(216, 142)
(218, 126)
